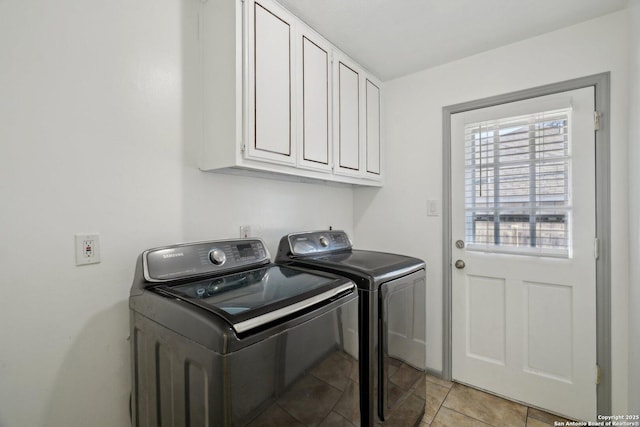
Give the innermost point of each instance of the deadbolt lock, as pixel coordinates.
(459, 244)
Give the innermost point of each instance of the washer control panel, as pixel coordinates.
(317, 242)
(202, 258)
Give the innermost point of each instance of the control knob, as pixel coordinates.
(324, 241)
(217, 256)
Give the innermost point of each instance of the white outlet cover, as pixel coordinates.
(87, 248)
(245, 231)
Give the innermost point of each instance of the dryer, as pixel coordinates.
(391, 320)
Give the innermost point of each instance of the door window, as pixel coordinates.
(517, 173)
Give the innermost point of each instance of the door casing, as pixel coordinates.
(601, 84)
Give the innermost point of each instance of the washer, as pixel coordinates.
(220, 336)
(392, 320)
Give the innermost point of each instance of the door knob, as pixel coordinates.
(459, 264)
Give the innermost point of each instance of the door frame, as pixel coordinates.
(601, 83)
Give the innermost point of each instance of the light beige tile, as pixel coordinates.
(486, 407)
(435, 396)
(532, 422)
(545, 417)
(436, 391)
(439, 381)
(448, 418)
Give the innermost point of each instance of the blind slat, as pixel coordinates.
(516, 170)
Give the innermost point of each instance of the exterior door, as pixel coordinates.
(524, 251)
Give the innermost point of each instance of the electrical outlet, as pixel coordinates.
(87, 249)
(245, 231)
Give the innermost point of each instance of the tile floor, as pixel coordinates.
(456, 405)
(327, 396)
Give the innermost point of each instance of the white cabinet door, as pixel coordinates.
(271, 89)
(314, 89)
(357, 121)
(347, 111)
(372, 136)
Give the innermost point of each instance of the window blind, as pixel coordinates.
(517, 176)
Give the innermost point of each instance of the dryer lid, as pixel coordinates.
(375, 267)
(332, 251)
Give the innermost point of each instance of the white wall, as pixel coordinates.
(97, 131)
(96, 134)
(634, 201)
(395, 217)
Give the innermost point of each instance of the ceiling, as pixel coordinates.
(392, 38)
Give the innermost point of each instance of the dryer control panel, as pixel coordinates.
(203, 258)
(318, 242)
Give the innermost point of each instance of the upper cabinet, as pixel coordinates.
(356, 104)
(280, 98)
(372, 127)
(314, 101)
(271, 85)
(347, 116)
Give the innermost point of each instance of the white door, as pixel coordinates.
(523, 218)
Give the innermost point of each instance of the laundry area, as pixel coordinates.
(336, 213)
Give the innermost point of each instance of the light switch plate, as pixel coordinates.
(433, 208)
(87, 248)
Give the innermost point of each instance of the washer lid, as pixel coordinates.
(250, 299)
